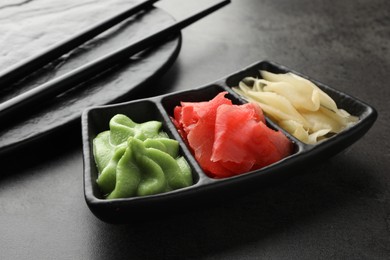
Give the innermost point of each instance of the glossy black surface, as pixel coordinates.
(160, 108)
(112, 85)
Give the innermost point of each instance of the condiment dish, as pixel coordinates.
(206, 189)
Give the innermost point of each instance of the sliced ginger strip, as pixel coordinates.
(296, 104)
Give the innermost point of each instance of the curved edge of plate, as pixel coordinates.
(10, 149)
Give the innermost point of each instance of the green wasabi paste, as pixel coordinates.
(138, 159)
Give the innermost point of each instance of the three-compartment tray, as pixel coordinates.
(206, 189)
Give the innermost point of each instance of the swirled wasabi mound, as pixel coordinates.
(138, 159)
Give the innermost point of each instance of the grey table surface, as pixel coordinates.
(339, 209)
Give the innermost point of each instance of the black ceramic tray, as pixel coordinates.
(113, 86)
(204, 189)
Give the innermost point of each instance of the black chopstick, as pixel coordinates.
(27, 66)
(52, 88)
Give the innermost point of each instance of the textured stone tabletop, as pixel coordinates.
(338, 209)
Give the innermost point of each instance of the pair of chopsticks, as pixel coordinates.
(58, 85)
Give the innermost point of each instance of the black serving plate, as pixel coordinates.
(206, 189)
(115, 85)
